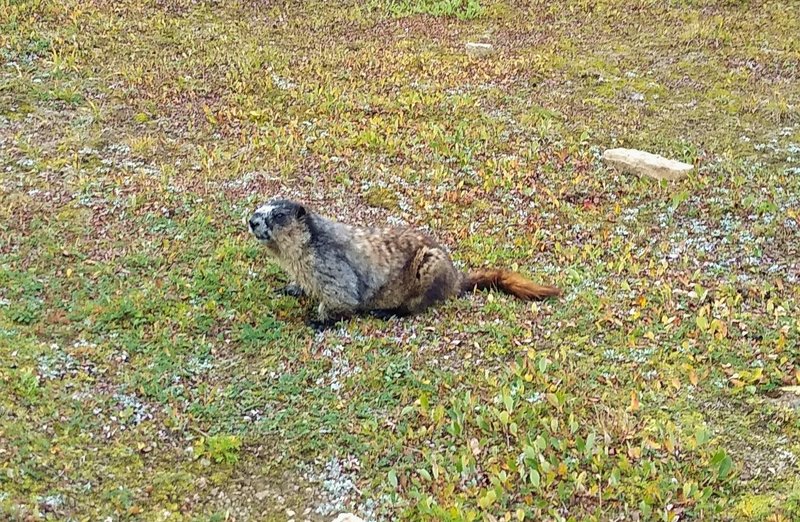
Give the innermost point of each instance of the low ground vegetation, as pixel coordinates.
(149, 370)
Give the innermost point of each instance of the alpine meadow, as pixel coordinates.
(151, 369)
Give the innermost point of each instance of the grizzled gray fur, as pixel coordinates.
(350, 269)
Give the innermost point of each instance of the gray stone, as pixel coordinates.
(646, 164)
(347, 517)
(479, 50)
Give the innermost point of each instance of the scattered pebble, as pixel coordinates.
(347, 517)
(479, 50)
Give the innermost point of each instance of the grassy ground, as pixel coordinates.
(149, 371)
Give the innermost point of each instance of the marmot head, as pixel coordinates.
(279, 223)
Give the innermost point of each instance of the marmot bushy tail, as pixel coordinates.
(386, 271)
(507, 281)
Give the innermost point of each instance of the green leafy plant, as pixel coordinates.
(219, 448)
(461, 9)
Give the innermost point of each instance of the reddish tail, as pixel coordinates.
(509, 282)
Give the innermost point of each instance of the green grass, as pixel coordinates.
(461, 9)
(150, 370)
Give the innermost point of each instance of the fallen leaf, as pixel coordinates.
(634, 402)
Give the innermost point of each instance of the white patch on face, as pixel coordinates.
(264, 210)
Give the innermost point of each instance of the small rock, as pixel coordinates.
(475, 446)
(261, 495)
(790, 397)
(479, 50)
(647, 164)
(347, 517)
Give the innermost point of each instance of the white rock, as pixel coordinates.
(479, 50)
(347, 517)
(647, 164)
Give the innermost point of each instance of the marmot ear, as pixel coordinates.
(300, 212)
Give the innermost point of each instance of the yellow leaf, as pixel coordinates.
(693, 377)
(69, 272)
(634, 402)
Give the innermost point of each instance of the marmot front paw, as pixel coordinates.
(292, 289)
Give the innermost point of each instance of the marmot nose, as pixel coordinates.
(253, 222)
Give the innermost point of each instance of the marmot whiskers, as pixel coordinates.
(385, 271)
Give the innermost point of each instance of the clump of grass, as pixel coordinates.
(381, 197)
(460, 9)
(219, 448)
